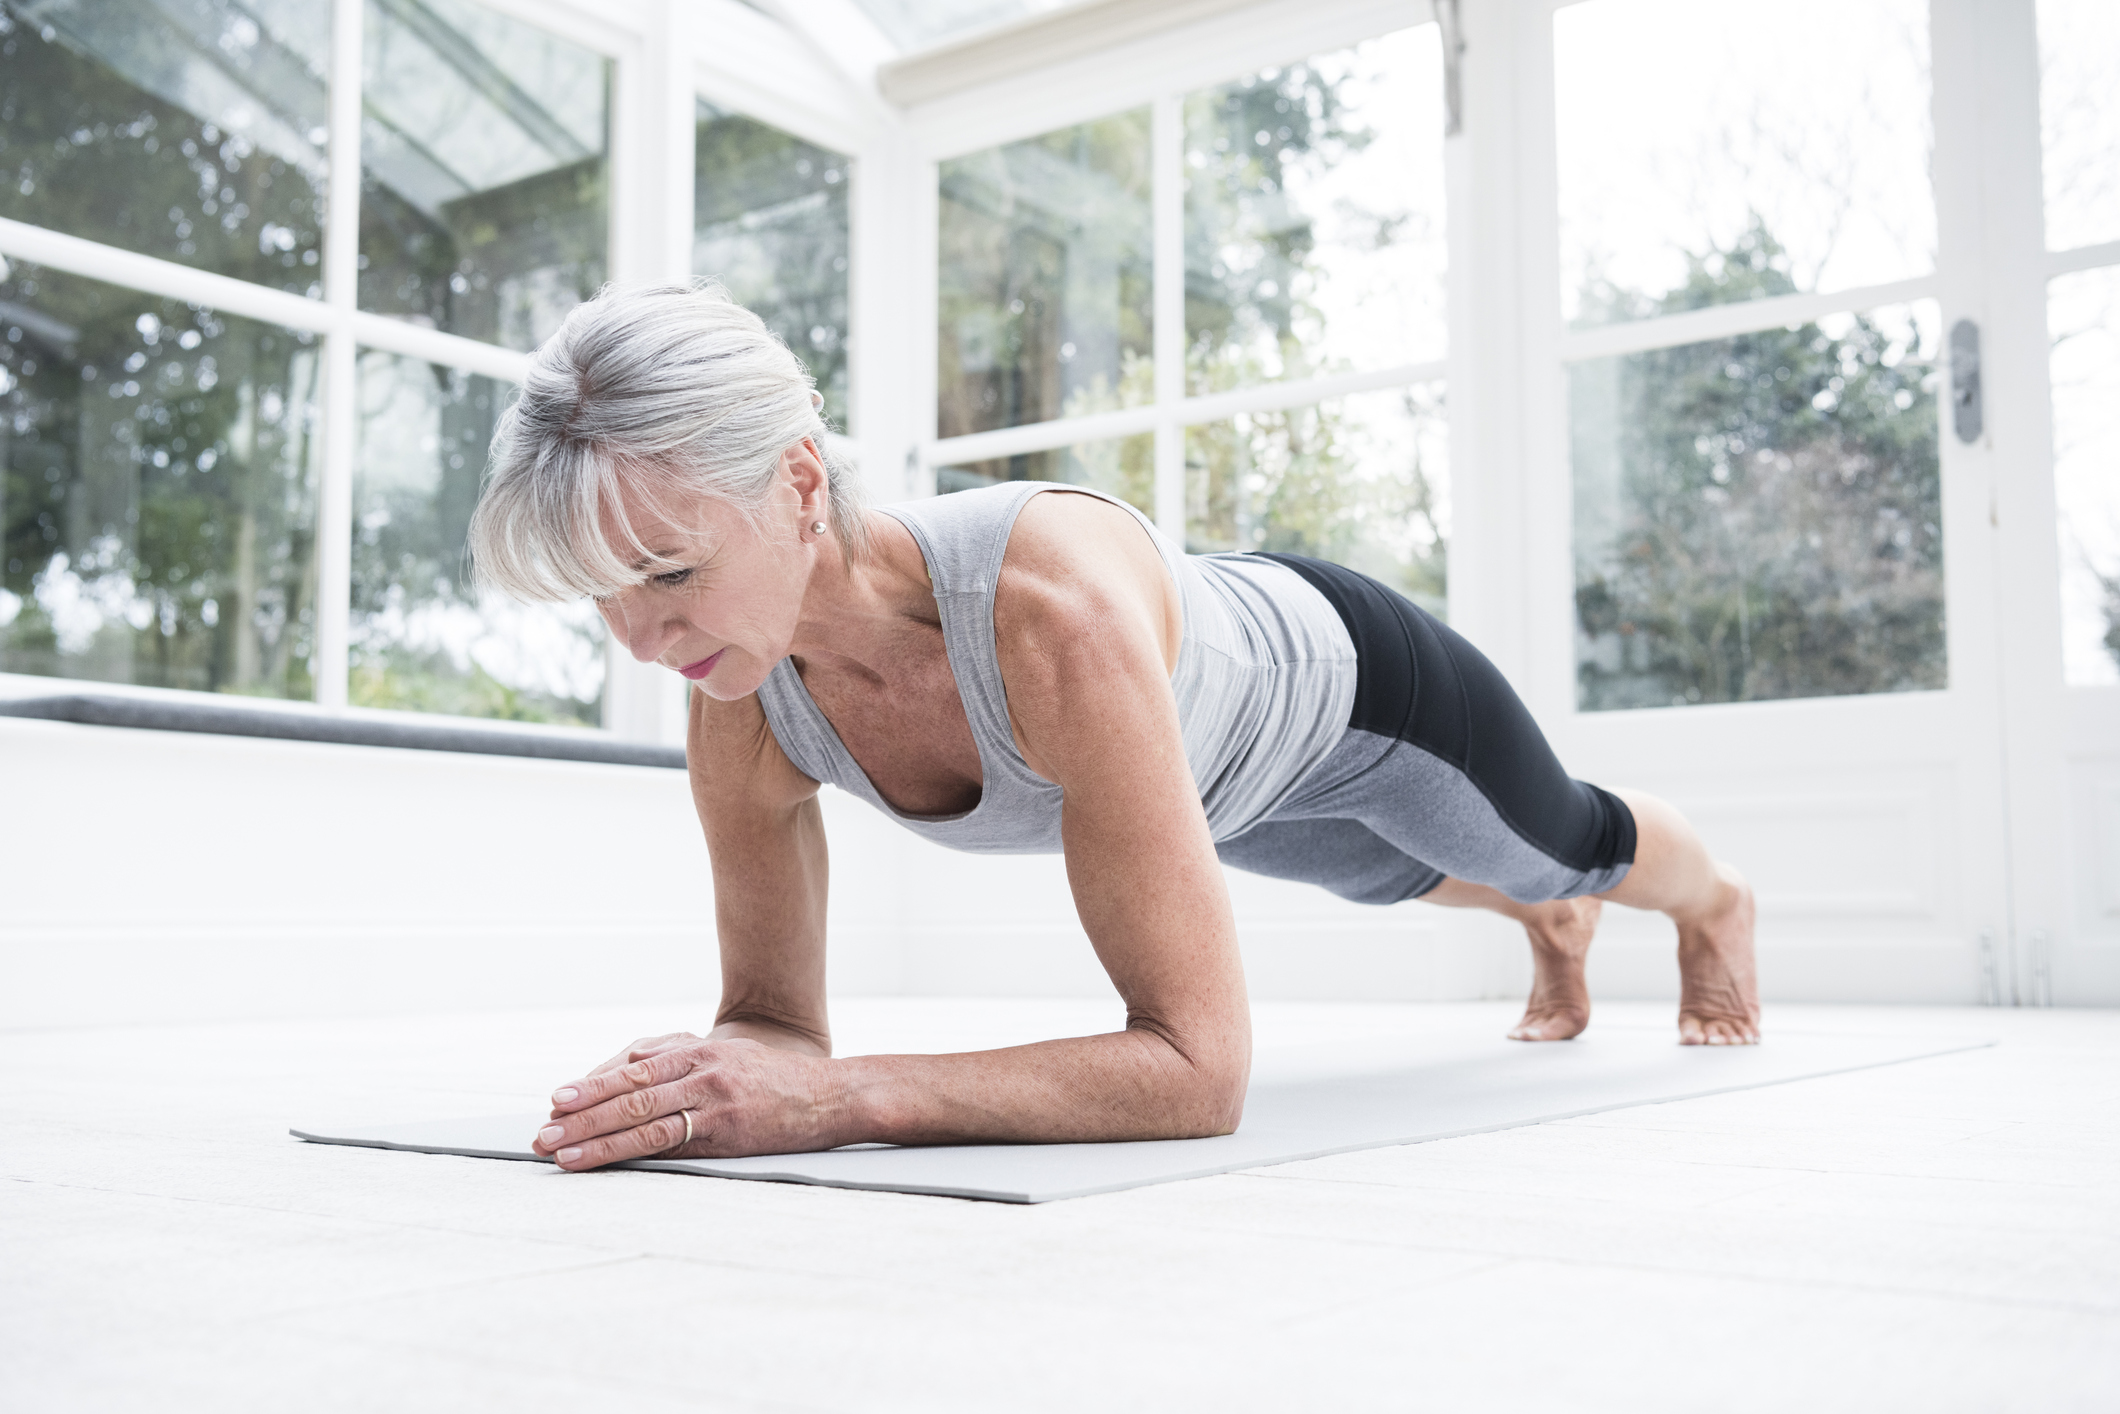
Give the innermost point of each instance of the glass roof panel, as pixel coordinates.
(923, 24)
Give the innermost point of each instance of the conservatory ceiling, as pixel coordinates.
(913, 25)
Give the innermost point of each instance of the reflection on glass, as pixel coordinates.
(1044, 278)
(1791, 140)
(1760, 517)
(2079, 44)
(424, 637)
(1362, 481)
(192, 130)
(485, 150)
(1314, 236)
(2083, 318)
(1124, 467)
(159, 490)
(770, 223)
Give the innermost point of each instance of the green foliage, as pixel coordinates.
(410, 531)
(159, 491)
(1757, 517)
(1316, 481)
(770, 223)
(157, 499)
(431, 682)
(1125, 468)
(1247, 246)
(85, 151)
(501, 265)
(1044, 306)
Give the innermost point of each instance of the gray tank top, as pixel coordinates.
(1265, 680)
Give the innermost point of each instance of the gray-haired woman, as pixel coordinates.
(1006, 670)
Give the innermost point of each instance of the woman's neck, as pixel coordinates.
(854, 615)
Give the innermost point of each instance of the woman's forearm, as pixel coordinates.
(1132, 1084)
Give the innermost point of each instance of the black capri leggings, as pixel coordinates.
(1442, 772)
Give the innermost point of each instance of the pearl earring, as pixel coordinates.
(816, 527)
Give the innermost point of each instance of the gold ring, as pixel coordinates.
(688, 1128)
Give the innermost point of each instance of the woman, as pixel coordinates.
(1007, 670)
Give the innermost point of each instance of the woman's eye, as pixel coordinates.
(673, 578)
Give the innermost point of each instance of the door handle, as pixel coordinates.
(1966, 414)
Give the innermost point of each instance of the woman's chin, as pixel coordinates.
(729, 682)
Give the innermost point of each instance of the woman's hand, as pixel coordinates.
(743, 1098)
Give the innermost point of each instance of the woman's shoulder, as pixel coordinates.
(1078, 563)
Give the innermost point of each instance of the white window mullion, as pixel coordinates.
(653, 112)
(1167, 166)
(334, 558)
(1528, 523)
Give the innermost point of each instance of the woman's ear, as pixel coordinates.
(802, 467)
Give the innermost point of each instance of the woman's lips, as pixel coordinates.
(700, 669)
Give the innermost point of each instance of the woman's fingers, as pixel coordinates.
(635, 1108)
(656, 1136)
(658, 1069)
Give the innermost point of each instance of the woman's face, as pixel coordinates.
(727, 614)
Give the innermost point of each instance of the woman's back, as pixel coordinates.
(1264, 681)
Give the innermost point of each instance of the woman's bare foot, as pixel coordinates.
(1718, 999)
(1560, 934)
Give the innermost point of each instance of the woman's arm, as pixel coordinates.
(766, 846)
(1087, 632)
(765, 839)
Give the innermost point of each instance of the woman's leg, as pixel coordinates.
(1673, 873)
(1458, 778)
(1560, 934)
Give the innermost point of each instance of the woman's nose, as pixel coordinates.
(644, 632)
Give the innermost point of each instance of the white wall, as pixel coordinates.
(162, 875)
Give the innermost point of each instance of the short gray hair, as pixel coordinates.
(670, 391)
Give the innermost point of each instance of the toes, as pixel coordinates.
(1715, 1031)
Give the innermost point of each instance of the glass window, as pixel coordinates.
(159, 492)
(485, 153)
(1361, 481)
(1122, 466)
(1314, 234)
(192, 131)
(770, 223)
(423, 636)
(2084, 317)
(1760, 517)
(1726, 151)
(1044, 279)
(2079, 60)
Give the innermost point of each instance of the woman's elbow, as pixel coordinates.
(1202, 1082)
(1214, 1100)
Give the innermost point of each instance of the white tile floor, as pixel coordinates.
(1940, 1235)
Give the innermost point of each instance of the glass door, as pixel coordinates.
(2055, 409)
(1762, 567)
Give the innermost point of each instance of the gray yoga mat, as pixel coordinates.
(1303, 1104)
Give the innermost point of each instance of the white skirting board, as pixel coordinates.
(1320, 1100)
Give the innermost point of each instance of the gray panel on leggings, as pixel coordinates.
(1345, 856)
(1427, 809)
